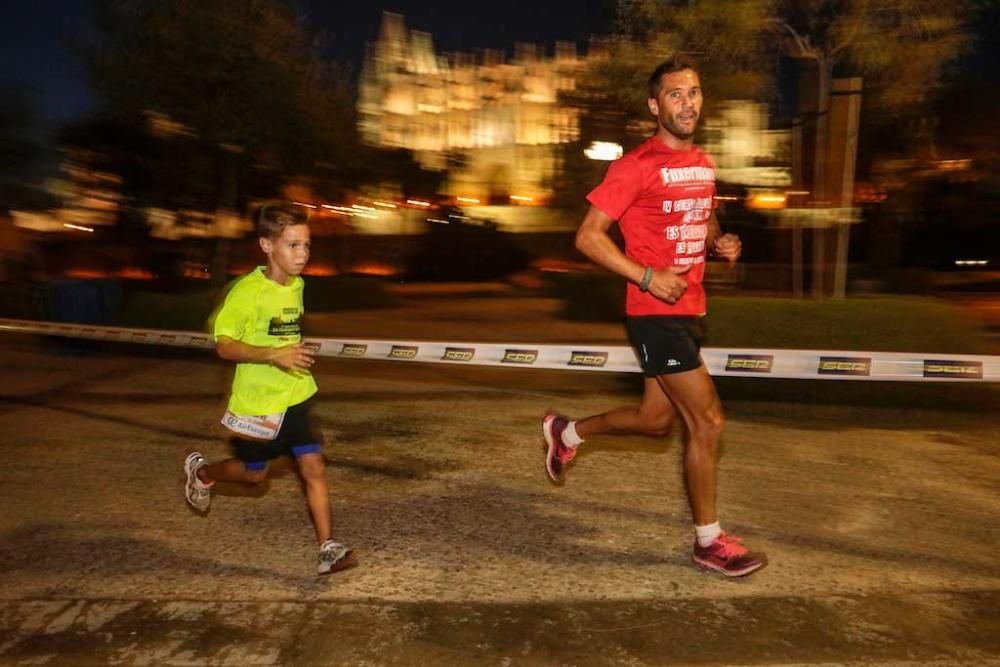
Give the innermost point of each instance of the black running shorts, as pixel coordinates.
(297, 436)
(666, 344)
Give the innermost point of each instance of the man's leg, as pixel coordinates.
(653, 416)
(693, 394)
(562, 436)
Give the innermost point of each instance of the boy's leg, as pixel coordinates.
(234, 470)
(249, 468)
(333, 556)
(313, 471)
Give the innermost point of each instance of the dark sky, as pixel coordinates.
(33, 36)
(32, 51)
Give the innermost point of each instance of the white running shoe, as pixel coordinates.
(197, 492)
(334, 557)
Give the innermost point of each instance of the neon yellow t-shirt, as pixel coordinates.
(259, 311)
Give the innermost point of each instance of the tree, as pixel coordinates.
(900, 47)
(20, 148)
(237, 73)
(240, 79)
(725, 38)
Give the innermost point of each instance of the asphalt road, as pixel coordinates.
(881, 522)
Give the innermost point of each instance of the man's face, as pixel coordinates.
(288, 254)
(677, 106)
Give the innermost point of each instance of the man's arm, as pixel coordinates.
(290, 357)
(593, 241)
(726, 246)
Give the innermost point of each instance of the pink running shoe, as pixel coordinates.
(728, 556)
(558, 455)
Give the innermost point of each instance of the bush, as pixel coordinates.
(589, 297)
(158, 310)
(465, 253)
(349, 292)
(191, 311)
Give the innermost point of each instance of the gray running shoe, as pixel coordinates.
(334, 557)
(198, 494)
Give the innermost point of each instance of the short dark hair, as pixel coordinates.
(674, 63)
(272, 219)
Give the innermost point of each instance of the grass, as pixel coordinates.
(881, 323)
(896, 324)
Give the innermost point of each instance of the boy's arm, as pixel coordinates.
(290, 357)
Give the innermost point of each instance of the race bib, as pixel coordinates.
(261, 427)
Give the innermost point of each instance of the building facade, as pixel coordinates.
(495, 123)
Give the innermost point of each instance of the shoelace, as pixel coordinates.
(565, 453)
(730, 546)
(331, 552)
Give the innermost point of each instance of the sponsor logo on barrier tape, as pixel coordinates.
(584, 358)
(844, 366)
(518, 356)
(313, 347)
(459, 353)
(750, 363)
(952, 368)
(403, 352)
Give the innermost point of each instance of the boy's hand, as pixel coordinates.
(296, 357)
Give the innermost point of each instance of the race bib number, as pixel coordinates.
(261, 427)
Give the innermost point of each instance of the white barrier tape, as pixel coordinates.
(753, 363)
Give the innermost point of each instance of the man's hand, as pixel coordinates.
(728, 247)
(667, 284)
(295, 357)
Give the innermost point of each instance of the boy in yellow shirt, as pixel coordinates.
(259, 328)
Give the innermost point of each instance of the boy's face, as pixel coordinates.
(288, 254)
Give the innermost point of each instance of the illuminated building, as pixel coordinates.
(499, 120)
(496, 125)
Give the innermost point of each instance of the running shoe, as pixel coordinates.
(728, 556)
(558, 454)
(334, 557)
(197, 492)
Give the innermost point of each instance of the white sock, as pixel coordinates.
(570, 437)
(707, 534)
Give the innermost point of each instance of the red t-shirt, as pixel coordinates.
(662, 199)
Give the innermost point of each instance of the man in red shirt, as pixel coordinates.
(662, 195)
